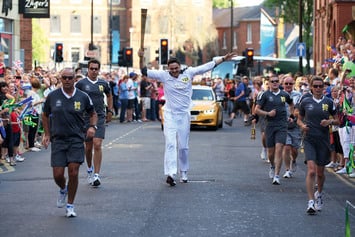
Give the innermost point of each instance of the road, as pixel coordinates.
(229, 193)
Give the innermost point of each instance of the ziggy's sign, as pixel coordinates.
(34, 8)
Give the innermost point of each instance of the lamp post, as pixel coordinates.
(300, 13)
(231, 47)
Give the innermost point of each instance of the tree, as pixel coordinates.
(39, 42)
(289, 10)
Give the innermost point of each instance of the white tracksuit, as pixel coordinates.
(177, 93)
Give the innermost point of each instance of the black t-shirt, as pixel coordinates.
(144, 91)
(67, 114)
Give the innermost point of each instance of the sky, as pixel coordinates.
(249, 2)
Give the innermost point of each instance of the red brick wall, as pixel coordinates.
(26, 41)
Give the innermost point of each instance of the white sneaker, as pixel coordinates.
(341, 171)
(90, 177)
(35, 149)
(19, 158)
(263, 153)
(96, 180)
(70, 212)
(311, 210)
(288, 174)
(276, 180)
(61, 201)
(331, 165)
(352, 175)
(183, 178)
(7, 158)
(37, 144)
(271, 172)
(319, 201)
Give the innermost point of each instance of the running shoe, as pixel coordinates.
(352, 175)
(61, 201)
(183, 178)
(276, 180)
(229, 122)
(263, 153)
(12, 161)
(96, 180)
(288, 174)
(19, 158)
(35, 149)
(90, 177)
(70, 211)
(311, 210)
(319, 201)
(331, 165)
(341, 171)
(271, 172)
(293, 166)
(170, 180)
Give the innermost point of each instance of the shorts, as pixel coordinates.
(275, 135)
(65, 151)
(337, 145)
(293, 138)
(130, 104)
(16, 137)
(241, 105)
(146, 102)
(318, 150)
(101, 128)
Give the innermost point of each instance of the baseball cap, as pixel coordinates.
(132, 74)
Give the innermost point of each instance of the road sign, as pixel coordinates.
(301, 49)
(91, 53)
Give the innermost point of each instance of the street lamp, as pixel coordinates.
(231, 25)
(91, 45)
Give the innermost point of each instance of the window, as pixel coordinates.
(55, 24)
(75, 24)
(235, 40)
(97, 24)
(249, 34)
(75, 54)
(224, 41)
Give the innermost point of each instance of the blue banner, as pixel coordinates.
(115, 46)
(267, 37)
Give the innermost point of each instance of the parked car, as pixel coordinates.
(206, 110)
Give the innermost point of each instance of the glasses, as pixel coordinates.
(67, 77)
(288, 84)
(318, 86)
(94, 68)
(275, 81)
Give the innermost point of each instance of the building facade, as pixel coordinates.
(332, 19)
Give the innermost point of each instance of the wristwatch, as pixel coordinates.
(93, 126)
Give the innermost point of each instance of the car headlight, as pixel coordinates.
(209, 111)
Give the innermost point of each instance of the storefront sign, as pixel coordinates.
(34, 8)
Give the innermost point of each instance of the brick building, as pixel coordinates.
(330, 19)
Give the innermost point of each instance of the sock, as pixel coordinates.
(96, 175)
(63, 190)
(70, 205)
(90, 169)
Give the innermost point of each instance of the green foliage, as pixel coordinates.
(222, 3)
(290, 10)
(39, 42)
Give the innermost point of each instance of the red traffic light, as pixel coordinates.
(59, 47)
(128, 52)
(164, 42)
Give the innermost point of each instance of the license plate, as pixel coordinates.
(193, 117)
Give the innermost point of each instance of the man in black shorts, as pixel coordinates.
(64, 127)
(96, 88)
(272, 104)
(314, 120)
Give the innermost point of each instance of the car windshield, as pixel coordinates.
(202, 95)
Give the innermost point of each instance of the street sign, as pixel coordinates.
(301, 49)
(91, 53)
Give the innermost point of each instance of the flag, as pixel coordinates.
(345, 29)
(347, 223)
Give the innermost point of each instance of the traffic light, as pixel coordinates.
(121, 61)
(58, 52)
(128, 56)
(250, 57)
(164, 51)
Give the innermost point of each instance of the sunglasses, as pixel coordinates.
(318, 86)
(67, 77)
(275, 81)
(288, 83)
(94, 69)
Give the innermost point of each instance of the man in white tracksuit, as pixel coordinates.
(177, 93)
